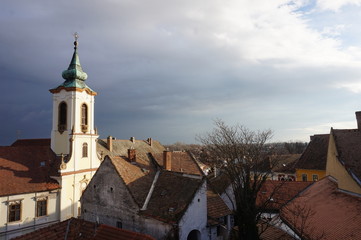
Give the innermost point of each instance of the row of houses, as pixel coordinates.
(61, 186)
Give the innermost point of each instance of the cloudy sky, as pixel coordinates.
(168, 69)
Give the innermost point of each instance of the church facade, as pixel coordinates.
(42, 180)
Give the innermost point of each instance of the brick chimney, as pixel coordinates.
(110, 143)
(358, 119)
(167, 160)
(132, 155)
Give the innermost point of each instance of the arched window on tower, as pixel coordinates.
(84, 118)
(62, 116)
(85, 150)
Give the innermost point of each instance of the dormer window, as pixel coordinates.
(62, 116)
(84, 118)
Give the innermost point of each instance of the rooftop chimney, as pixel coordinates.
(358, 119)
(132, 156)
(110, 143)
(167, 160)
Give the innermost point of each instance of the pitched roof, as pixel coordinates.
(328, 212)
(25, 169)
(315, 154)
(274, 233)
(216, 208)
(285, 163)
(172, 195)
(138, 177)
(274, 194)
(219, 183)
(32, 142)
(180, 162)
(78, 229)
(348, 144)
(120, 148)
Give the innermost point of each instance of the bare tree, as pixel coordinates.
(298, 217)
(242, 155)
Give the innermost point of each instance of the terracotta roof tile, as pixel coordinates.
(78, 229)
(181, 162)
(25, 169)
(216, 208)
(137, 177)
(171, 196)
(348, 143)
(315, 154)
(280, 192)
(220, 183)
(274, 233)
(332, 214)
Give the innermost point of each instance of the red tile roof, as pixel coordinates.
(181, 162)
(216, 208)
(274, 194)
(137, 177)
(171, 196)
(25, 169)
(274, 233)
(329, 214)
(78, 229)
(315, 154)
(219, 183)
(348, 144)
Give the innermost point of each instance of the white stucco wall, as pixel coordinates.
(28, 222)
(74, 101)
(195, 217)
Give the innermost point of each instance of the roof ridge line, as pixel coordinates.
(150, 193)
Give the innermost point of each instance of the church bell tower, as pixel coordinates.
(73, 136)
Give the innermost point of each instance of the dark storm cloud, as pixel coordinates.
(166, 69)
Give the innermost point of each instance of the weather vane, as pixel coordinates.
(76, 36)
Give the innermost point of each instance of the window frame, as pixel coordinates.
(84, 150)
(40, 208)
(14, 215)
(62, 116)
(315, 177)
(304, 177)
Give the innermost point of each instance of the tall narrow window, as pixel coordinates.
(41, 207)
(304, 177)
(14, 211)
(62, 115)
(84, 118)
(85, 150)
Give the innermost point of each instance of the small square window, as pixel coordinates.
(14, 211)
(41, 207)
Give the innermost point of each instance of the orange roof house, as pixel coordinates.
(323, 211)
